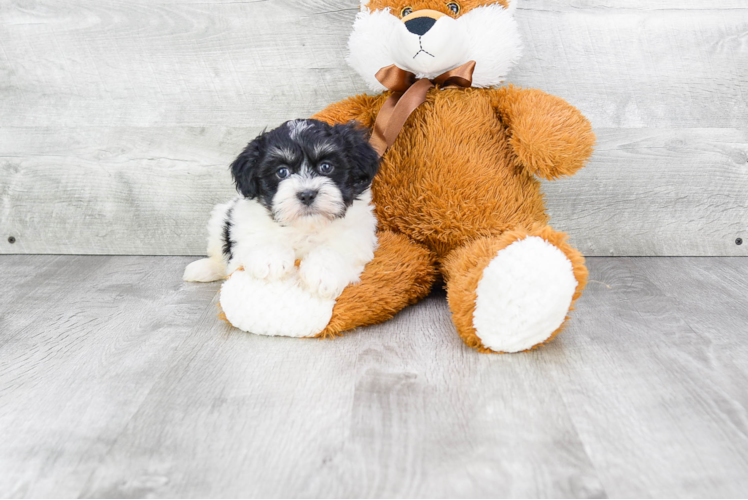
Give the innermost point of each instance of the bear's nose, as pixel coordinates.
(420, 25)
(307, 197)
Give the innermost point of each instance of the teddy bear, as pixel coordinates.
(457, 196)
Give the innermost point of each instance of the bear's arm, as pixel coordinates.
(550, 137)
(361, 108)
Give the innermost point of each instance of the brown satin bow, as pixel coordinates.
(407, 94)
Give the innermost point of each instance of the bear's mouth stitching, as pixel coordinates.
(420, 44)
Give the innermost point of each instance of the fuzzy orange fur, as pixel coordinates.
(463, 270)
(459, 181)
(398, 5)
(401, 274)
(457, 186)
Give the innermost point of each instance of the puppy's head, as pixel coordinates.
(306, 170)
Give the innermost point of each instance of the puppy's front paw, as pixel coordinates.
(269, 263)
(325, 274)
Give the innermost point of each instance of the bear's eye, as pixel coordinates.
(282, 173)
(406, 12)
(325, 168)
(454, 7)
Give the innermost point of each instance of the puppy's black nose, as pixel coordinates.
(307, 197)
(420, 25)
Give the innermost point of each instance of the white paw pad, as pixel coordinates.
(523, 296)
(278, 308)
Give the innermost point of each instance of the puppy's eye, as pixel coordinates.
(282, 173)
(454, 7)
(406, 12)
(325, 168)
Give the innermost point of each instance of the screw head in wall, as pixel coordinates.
(11, 239)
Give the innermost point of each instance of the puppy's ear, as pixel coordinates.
(244, 168)
(361, 155)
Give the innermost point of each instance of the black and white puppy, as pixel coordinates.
(304, 195)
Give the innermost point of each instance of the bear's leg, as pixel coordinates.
(513, 292)
(401, 274)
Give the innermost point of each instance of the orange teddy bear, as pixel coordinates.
(457, 194)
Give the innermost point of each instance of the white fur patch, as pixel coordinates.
(488, 35)
(205, 270)
(370, 44)
(524, 295)
(255, 233)
(288, 209)
(325, 273)
(268, 262)
(494, 43)
(296, 127)
(274, 307)
(272, 296)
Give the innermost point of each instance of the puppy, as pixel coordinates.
(304, 195)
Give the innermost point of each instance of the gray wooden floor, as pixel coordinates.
(117, 379)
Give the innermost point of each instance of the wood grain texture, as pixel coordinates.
(168, 62)
(657, 192)
(127, 191)
(127, 385)
(399, 410)
(117, 118)
(660, 354)
(79, 352)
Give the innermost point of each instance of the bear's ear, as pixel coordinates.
(245, 168)
(363, 158)
(512, 6)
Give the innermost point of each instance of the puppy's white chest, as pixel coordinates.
(304, 242)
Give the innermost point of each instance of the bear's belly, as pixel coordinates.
(451, 178)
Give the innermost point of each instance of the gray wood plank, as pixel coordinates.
(113, 190)
(654, 376)
(150, 190)
(19, 278)
(166, 62)
(124, 383)
(114, 114)
(399, 410)
(639, 64)
(667, 192)
(78, 361)
(44, 281)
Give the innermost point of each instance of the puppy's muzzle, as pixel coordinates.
(307, 197)
(421, 21)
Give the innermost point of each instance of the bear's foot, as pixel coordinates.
(524, 296)
(278, 308)
(512, 293)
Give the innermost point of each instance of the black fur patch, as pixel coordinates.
(227, 235)
(311, 143)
